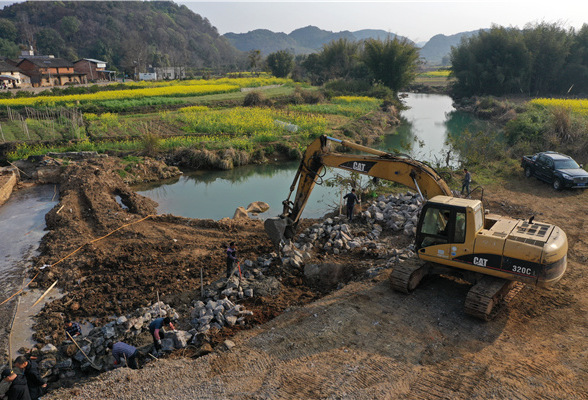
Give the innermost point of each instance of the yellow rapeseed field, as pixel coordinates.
(579, 106)
(120, 95)
(247, 121)
(196, 87)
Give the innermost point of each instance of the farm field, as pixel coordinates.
(179, 115)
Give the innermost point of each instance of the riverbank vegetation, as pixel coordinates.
(541, 60)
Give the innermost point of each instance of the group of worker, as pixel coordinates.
(23, 381)
(125, 352)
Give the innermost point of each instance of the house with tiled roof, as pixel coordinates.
(11, 77)
(95, 70)
(50, 71)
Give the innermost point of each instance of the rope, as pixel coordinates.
(72, 253)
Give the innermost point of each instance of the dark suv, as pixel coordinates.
(555, 168)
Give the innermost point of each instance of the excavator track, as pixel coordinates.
(486, 298)
(405, 277)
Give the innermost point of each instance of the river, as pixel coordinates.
(429, 120)
(22, 226)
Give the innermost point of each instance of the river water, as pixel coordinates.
(217, 194)
(22, 225)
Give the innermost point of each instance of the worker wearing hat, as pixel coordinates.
(18, 388)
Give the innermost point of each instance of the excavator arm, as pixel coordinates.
(379, 164)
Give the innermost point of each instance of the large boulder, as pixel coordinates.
(240, 213)
(257, 207)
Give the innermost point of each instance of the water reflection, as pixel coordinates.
(217, 194)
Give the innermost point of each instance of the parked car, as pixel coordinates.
(555, 168)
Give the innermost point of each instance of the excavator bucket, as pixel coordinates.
(275, 228)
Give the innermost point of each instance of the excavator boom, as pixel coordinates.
(379, 164)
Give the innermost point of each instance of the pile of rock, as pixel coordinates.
(396, 212)
(334, 235)
(218, 309)
(215, 314)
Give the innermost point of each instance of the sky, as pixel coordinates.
(416, 20)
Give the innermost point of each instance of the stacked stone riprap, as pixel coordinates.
(335, 235)
(66, 360)
(217, 314)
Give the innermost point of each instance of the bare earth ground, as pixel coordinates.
(363, 341)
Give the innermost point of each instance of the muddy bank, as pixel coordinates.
(108, 271)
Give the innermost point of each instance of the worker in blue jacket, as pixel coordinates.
(156, 328)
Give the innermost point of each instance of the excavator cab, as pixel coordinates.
(440, 225)
(447, 228)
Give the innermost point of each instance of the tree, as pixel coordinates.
(8, 30)
(280, 63)
(574, 76)
(8, 49)
(392, 62)
(49, 41)
(339, 58)
(313, 69)
(69, 27)
(549, 45)
(491, 63)
(254, 60)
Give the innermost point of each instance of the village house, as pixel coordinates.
(95, 70)
(11, 77)
(50, 71)
(170, 73)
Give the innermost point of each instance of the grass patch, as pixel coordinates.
(348, 106)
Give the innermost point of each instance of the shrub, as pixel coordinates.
(254, 99)
(309, 96)
(151, 144)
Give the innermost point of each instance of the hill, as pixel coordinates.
(123, 33)
(439, 46)
(267, 40)
(300, 41)
(310, 39)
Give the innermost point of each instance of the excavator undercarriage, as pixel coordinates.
(486, 298)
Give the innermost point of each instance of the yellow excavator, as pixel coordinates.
(454, 235)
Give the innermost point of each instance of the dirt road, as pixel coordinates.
(363, 341)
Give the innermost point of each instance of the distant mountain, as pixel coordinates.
(310, 39)
(439, 46)
(300, 41)
(313, 38)
(269, 41)
(377, 34)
